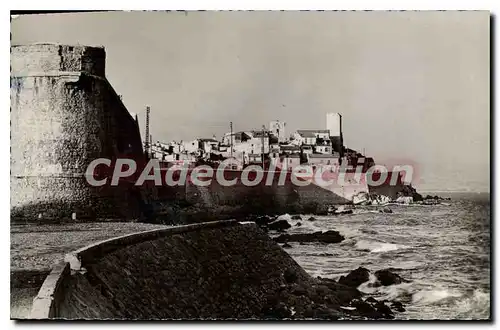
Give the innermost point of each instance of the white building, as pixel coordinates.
(309, 136)
(207, 145)
(323, 149)
(190, 147)
(277, 128)
(319, 160)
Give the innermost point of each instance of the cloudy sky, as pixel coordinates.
(411, 86)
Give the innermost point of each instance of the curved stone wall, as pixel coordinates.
(221, 269)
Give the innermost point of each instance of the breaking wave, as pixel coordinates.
(428, 297)
(454, 303)
(377, 247)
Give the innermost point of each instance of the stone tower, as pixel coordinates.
(334, 125)
(64, 114)
(277, 128)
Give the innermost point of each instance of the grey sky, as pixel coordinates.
(410, 85)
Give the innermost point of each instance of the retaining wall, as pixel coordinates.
(221, 269)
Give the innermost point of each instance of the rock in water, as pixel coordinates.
(356, 277)
(364, 308)
(330, 236)
(311, 219)
(261, 221)
(372, 309)
(296, 217)
(398, 306)
(286, 246)
(279, 225)
(384, 310)
(371, 300)
(386, 277)
(298, 224)
(344, 209)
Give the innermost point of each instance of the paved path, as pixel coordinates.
(35, 248)
(40, 246)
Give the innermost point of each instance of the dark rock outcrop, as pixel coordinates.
(435, 197)
(356, 277)
(279, 225)
(298, 224)
(290, 276)
(322, 210)
(398, 306)
(263, 220)
(330, 236)
(324, 299)
(344, 212)
(286, 246)
(344, 294)
(311, 218)
(385, 277)
(410, 191)
(372, 308)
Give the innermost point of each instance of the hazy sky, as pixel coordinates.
(411, 86)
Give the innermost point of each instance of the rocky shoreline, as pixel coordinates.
(409, 196)
(326, 298)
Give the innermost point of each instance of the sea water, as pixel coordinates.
(444, 250)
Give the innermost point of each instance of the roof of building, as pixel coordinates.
(260, 133)
(293, 147)
(249, 134)
(309, 133)
(323, 156)
(208, 140)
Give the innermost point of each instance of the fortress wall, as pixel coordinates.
(262, 198)
(386, 188)
(220, 269)
(27, 60)
(64, 114)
